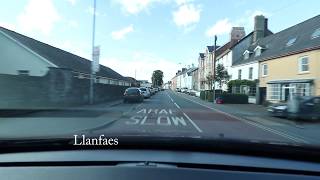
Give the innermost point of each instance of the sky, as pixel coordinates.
(137, 37)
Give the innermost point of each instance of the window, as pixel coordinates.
(304, 64)
(316, 34)
(239, 73)
(274, 91)
(246, 56)
(264, 70)
(250, 72)
(291, 41)
(301, 89)
(257, 52)
(23, 72)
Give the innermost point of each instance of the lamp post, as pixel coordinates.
(92, 75)
(214, 69)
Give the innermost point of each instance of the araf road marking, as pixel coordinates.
(156, 111)
(177, 120)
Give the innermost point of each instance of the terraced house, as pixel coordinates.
(289, 62)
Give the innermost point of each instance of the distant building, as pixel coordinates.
(144, 83)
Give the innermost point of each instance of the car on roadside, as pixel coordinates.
(178, 90)
(184, 90)
(133, 94)
(145, 92)
(278, 110)
(304, 108)
(152, 91)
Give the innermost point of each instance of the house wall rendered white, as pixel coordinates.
(15, 57)
(226, 61)
(245, 71)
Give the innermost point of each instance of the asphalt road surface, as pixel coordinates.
(167, 113)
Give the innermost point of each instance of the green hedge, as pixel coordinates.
(235, 98)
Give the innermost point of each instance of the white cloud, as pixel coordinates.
(135, 6)
(181, 2)
(8, 25)
(120, 34)
(72, 2)
(221, 27)
(143, 64)
(187, 14)
(38, 15)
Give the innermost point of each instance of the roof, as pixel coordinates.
(61, 58)
(275, 45)
(201, 55)
(211, 48)
(189, 71)
(223, 48)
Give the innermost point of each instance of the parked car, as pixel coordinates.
(178, 90)
(278, 110)
(152, 91)
(132, 94)
(306, 107)
(145, 92)
(184, 90)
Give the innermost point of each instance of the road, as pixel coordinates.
(167, 113)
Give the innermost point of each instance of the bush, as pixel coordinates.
(202, 95)
(209, 95)
(235, 98)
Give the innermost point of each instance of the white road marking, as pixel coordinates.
(190, 120)
(194, 124)
(177, 105)
(299, 140)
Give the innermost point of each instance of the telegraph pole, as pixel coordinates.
(91, 96)
(214, 69)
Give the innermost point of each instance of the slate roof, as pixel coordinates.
(61, 58)
(275, 45)
(211, 48)
(201, 55)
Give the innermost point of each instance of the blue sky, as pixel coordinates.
(139, 36)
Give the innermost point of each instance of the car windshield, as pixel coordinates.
(195, 69)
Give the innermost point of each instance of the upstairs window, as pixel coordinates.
(250, 72)
(264, 70)
(257, 51)
(316, 33)
(239, 74)
(246, 54)
(291, 41)
(304, 64)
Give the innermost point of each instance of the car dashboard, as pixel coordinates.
(149, 164)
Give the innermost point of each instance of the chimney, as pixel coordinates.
(260, 28)
(237, 33)
(184, 69)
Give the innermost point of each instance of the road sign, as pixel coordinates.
(95, 58)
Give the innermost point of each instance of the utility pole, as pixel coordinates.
(214, 69)
(91, 95)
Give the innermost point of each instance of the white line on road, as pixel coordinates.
(194, 124)
(299, 140)
(189, 119)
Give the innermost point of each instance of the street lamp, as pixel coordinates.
(92, 75)
(214, 69)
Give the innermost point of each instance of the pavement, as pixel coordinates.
(167, 113)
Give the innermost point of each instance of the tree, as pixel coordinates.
(222, 76)
(209, 80)
(157, 78)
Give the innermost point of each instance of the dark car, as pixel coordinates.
(306, 107)
(278, 110)
(132, 95)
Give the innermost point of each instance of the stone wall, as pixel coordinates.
(57, 89)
